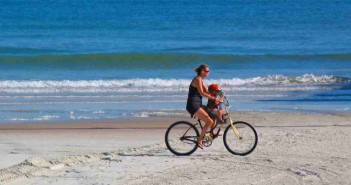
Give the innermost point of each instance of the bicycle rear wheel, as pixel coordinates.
(241, 139)
(181, 138)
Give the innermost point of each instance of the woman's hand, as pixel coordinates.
(217, 100)
(220, 100)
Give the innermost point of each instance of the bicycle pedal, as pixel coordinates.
(207, 138)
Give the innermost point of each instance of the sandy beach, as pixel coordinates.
(89, 88)
(293, 148)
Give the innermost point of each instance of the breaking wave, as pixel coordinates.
(272, 82)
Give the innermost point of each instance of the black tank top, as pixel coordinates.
(194, 95)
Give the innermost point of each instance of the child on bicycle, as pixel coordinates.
(213, 106)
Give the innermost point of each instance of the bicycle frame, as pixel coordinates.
(187, 137)
(227, 116)
(185, 132)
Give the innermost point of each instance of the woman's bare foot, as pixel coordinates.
(200, 143)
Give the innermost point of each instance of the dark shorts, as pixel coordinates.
(192, 107)
(212, 114)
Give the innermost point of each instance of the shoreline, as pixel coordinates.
(160, 122)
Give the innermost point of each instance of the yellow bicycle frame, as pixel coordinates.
(236, 132)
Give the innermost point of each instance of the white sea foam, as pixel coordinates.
(160, 114)
(18, 119)
(45, 117)
(273, 82)
(99, 112)
(40, 118)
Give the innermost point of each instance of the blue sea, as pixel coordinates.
(64, 61)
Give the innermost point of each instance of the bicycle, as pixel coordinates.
(240, 138)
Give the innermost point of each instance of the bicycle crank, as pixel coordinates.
(207, 141)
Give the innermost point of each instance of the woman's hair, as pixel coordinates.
(200, 68)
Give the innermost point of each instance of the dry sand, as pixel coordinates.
(293, 149)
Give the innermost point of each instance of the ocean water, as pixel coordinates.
(64, 61)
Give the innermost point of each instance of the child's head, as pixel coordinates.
(214, 89)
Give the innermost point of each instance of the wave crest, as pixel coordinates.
(157, 84)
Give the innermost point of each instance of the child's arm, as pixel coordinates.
(222, 97)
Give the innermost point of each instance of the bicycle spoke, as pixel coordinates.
(182, 138)
(240, 139)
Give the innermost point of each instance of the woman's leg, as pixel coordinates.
(202, 114)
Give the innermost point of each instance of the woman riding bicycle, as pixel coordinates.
(197, 89)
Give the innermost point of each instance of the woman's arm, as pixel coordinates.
(205, 88)
(200, 88)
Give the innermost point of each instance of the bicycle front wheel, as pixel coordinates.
(240, 139)
(181, 138)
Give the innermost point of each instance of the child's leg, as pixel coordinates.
(219, 114)
(214, 112)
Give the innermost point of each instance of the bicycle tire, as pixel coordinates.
(225, 136)
(170, 148)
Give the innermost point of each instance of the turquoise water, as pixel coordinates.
(76, 60)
